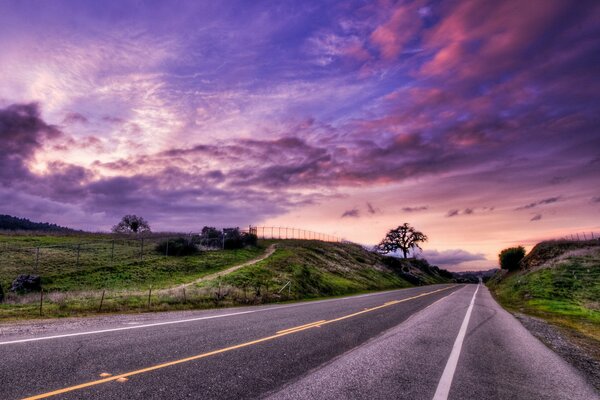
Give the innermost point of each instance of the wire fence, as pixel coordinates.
(283, 233)
(579, 236)
(110, 272)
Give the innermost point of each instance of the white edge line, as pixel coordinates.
(181, 321)
(443, 387)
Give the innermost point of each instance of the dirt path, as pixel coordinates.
(270, 250)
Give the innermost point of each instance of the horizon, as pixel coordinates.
(477, 123)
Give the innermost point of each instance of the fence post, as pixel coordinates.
(149, 294)
(101, 301)
(41, 300)
(184, 297)
(78, 251)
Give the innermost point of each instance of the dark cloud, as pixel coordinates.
(536, 217)
(456, 212)
(22, 133)
(452, 213)
(371, 209)
(549, 200)
(414, 209)
(74, 117)
(353, 213)
(596, 199)
(450, 257)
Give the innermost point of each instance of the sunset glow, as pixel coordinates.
(476, 122)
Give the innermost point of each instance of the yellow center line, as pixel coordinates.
(224, 350)
(301, 326)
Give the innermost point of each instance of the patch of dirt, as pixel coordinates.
(581, 352)
(270, 250)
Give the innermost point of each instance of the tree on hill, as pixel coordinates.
(510, 258)
(403, 238)
(132, 224)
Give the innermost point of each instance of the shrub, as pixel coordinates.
(177, 247)
(510, 258)
(1, 294)
(26, 283)
(235, 239)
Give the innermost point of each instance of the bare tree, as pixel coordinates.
(404, 238)
(132, 224)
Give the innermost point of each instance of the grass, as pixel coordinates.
(86, 262)
(314, 269)
(564, 290)
(84, 275)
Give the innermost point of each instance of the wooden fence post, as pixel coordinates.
(101, 301)
(41, 300)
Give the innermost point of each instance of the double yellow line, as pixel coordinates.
(289, 331)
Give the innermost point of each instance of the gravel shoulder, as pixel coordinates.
(571, 346)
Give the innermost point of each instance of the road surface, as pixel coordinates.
(433, 342)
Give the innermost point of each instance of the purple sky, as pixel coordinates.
(477, 122)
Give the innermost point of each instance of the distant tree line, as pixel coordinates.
(10, 223)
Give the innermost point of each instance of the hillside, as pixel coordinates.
(316, 269)
(82, 273)
(10, 223)
(559, 281)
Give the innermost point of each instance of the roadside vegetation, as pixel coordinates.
(132, 270)
(558, 281)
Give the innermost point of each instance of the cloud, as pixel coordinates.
(372, 210)
(536, 217)
(549, 200)
(456, 212)
(74, 117)
(451, 257)
(22, 133)
(596, 199)
(414, 209)
(452, 213)
(353, 213)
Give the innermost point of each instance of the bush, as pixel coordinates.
(26, 283)
(235, 239)
(177, 247)
(510, 258)
(1, 294)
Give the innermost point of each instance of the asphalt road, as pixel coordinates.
(433, 342)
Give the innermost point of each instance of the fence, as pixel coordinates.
(584, 236)
(282, 233)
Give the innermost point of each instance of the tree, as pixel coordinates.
(404, 238)
(511, 257)
(131, 224)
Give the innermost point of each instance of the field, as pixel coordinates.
(94, 262)
(91, 273)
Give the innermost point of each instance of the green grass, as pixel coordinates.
(75, 287)
(315, 269)
(99, 266)
(563, 291)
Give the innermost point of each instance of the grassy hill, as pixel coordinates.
(316, 269)
(559, 281)
(87, 273)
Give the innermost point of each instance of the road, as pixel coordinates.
(432, 342)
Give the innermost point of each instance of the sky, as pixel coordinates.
(477, 122)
